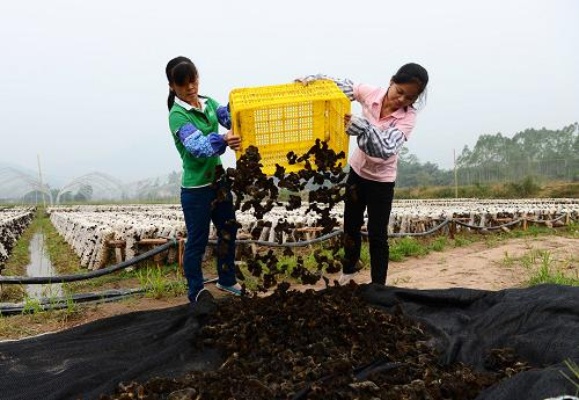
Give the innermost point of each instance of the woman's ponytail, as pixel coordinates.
(171, 99)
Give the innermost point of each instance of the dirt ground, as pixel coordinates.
(477, 266)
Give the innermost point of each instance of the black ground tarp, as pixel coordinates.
(541, 323)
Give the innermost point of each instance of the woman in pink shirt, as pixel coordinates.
(387, 120)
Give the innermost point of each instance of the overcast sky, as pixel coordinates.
(83, 87)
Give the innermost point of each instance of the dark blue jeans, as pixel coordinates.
(200, 207)
(375, 197)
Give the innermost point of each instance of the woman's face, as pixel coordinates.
(187, 92)
(402, 94)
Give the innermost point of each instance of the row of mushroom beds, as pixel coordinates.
(90, 229)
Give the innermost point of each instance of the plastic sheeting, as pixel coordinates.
(541, 323)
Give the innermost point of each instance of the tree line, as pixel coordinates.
(530, 156)
(541, 154)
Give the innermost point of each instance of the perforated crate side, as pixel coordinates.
(283, 118)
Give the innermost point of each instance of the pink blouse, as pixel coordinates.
(372, 168)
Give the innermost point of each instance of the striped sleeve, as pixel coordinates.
(374, 141)
(345, 85)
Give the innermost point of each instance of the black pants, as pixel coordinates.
(376, 197)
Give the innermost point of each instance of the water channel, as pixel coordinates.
(40, 265)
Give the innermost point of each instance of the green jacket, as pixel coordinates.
(197, 171)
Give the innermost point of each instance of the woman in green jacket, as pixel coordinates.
(194, 122)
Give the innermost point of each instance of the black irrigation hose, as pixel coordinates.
(88, 275)
(514, 222)
(436, 228)
(543, 221)
(301, 243)
(489, 228)
(60, 303)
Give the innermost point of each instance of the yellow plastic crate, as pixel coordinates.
(289, 117)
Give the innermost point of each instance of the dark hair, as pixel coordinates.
(412, 73)
(180, 71)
